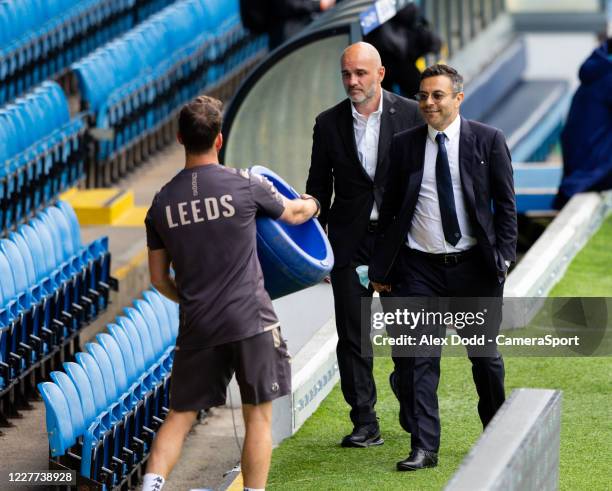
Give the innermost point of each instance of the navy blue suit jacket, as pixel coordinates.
(486, 178)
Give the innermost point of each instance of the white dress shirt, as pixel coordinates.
(367, 131)
(426, 233)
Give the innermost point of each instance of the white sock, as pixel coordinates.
(152, 482)
(254, 489)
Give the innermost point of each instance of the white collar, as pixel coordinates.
(451, 131)
(378, 112)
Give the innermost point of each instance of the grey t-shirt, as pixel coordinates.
(205, 219)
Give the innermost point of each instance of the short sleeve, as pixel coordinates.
(154, 241)
(267, 199)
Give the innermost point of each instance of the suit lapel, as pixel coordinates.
(466, 162)
(348, 137)
(415, 165)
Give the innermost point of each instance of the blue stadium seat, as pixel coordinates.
(134, 84)
(81, 382)
(50, 286)
(41, 149)
(162, 314)
(39, 38)
(129, 360)
(59, 424)
(77, 418)
(111, 399)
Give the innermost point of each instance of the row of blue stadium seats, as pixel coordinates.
(103, 411)
(140, 106)
(40, 151)
(50, 286)
(165, 36)
(134, 85)
(39, 38)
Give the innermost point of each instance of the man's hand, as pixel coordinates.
(326, 4)
(299, 210)
(381, 287)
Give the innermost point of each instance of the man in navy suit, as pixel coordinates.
(447, 228)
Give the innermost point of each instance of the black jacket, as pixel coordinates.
(335, 169)
(486, 177)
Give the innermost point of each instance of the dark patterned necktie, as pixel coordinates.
(446, 198)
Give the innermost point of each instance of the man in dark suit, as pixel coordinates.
(447, 228)
(350, 159)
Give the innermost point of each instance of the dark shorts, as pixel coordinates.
(261, 364)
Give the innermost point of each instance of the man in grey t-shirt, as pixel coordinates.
(203, 223)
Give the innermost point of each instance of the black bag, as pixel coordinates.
(254, 15)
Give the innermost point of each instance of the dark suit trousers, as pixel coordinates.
(356, 378)
(418, 377)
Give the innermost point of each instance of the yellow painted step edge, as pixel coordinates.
(100, 206)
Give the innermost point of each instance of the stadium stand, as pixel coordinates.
(104, 409)
(41, 147)
(531, 113)
(133, 86)
(51, 286)
(40, 39)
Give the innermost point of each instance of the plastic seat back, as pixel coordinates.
(37, 250)
(164, 321)
(17, 265)
(119, 335)
(61, 254)
(7, 283)
(132, 334)
(73, 221)
(74, 401)
(172, 308)
(106, 369)
(26, 255)
(46, 238)
(96, 380)
(59, 425)
(83, 386)
(140, 330)
(108, 343)
(153, 327)
(65, 231)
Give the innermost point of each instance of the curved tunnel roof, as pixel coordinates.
(269, 121)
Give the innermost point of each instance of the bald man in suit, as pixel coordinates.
(350, 161)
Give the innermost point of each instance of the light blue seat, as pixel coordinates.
(106, 371)
(81, 382)
(151, 324)
(119, 335)
(59, 421)
(43, 293)
(96, 452)
(77, 418)
(128, 330)
(162, 314)
(113, 351)
(137, 328)
(92, 369)
(28, 296)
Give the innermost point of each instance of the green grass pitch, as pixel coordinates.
(313, 459)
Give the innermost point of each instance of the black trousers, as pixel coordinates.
(356, 378)
(417, 377)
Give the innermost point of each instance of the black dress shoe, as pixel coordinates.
(418, 459)
(363, 436)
